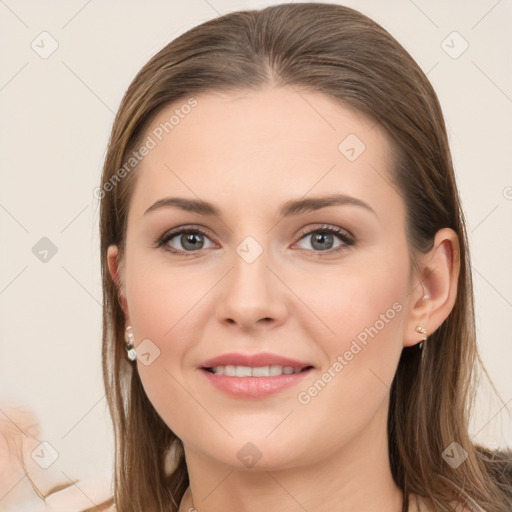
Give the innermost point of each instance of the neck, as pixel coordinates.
(355, 478)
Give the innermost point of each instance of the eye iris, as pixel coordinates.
(322, 237)
(192, 238)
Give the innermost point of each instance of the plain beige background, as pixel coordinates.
(56, 114)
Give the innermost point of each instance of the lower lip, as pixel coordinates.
(254, 387)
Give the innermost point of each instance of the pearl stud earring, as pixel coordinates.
(129, 338)
(421, 330)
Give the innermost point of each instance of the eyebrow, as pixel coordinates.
(289, 208)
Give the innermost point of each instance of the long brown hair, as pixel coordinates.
(337, 51)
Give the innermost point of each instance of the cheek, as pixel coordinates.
(167, 307)
(366, 314)
(163, 302)
(362, 312)
(356, 302)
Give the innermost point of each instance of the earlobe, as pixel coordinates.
(435, 287)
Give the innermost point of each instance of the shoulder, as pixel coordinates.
(83, 495)
(27, 487)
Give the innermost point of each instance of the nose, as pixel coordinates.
(252, 296)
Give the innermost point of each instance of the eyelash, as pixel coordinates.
(344, 236)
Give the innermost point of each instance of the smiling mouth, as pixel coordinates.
(258, 371)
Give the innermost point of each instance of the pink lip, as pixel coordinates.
(253, 387)
(252, 360)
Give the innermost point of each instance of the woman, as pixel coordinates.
(269, 375)
(288, 308)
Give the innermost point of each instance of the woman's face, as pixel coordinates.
(325, 285)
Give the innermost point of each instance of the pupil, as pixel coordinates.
(193, 239)
(321, 237)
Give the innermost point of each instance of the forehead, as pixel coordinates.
(254, 147)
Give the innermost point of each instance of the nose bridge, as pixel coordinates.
(250, 276)
(251, 291)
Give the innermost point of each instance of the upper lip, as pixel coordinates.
(253, 361)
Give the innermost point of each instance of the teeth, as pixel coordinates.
(259, 371)
(276, 370)
(243, 371)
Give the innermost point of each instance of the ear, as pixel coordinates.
(115, 269)
(434, 287)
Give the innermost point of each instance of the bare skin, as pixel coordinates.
(248, 153)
